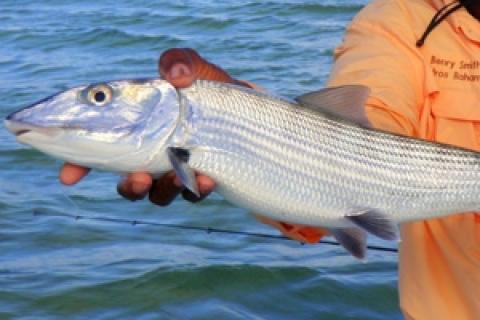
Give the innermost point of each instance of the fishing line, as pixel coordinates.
(209, 230)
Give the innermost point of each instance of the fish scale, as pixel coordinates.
(319, 168)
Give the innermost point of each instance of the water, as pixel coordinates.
(57, 268)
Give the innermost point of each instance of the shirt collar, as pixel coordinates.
(462, 21)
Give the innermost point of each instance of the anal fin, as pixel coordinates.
(354, 240)
(375, 222)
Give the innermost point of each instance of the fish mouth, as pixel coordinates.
(20, 132)
(20, 129)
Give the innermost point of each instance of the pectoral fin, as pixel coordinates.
(353, 240)
(179, 160)
(375, 222)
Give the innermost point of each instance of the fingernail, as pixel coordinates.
(139, 188)
(179, 70)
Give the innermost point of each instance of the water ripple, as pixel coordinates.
(53, 268)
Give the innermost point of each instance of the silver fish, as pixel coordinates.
(297, 161)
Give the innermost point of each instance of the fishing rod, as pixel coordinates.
(208, 230)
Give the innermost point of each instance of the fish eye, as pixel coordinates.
(99, 95)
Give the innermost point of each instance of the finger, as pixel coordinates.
(313, 234)
(177, 67)
(182, 66)
(71, 173)
(205, 184)
(136, 186)
(205, 187)
(164, 190)
(302, 233)
(294, 232)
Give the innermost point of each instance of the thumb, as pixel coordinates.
(182, 66)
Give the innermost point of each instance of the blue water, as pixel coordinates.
(57, 268)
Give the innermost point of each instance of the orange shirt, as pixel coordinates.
(432, 92)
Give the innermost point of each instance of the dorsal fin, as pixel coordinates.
(346, 102)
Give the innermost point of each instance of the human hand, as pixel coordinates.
(299, 232)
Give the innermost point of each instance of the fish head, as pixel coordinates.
(117, 126)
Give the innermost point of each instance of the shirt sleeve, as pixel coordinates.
(378, 51)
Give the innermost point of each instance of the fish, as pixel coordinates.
(314, 160)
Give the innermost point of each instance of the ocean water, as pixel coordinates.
(59, 268)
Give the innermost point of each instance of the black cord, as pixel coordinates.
(441, 15)
(187, 227)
